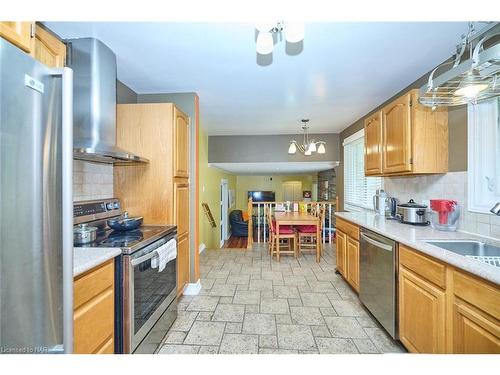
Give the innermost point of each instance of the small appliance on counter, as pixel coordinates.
(384, 205)
(445, 214)
(393, 209)
(380, 201)
(412, 213)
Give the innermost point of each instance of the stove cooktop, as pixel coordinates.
(132, 240)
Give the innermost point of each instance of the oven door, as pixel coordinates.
(150, 292)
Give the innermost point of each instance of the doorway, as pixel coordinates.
(224, 214)
(292, 191)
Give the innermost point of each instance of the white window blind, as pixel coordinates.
(358, 189)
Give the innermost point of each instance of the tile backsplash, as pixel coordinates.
(453, 186)
(92, 181)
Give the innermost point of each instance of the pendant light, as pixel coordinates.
(308, 146)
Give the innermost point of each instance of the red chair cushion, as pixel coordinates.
(286, 229)
(306, 228)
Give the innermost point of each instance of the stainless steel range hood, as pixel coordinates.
(94, 103)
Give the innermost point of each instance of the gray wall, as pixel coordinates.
(457, 136)
(266, 148)
(124, 94)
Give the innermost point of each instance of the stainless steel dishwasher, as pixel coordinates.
(378, 278)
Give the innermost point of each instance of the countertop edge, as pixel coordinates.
(479, 269)
(86, 258)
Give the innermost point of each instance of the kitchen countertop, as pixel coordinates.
(413, 237)
(86, 258)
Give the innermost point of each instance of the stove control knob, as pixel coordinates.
(117, 205)
(109, 206)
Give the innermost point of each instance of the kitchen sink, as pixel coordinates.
(471, 249)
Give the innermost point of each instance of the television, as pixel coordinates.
(262, 196)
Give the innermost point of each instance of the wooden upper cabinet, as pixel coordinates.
(405, 138)
(181, 139)
(18, 33)
(373, 144)
(47, 48)
(396, 136)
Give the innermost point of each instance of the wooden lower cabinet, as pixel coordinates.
(474, 332)
(341, 249)
(421, 314)
(353, 263)
(476, 315)
(347, 250)
(94, 310)
(445, 310)
(182, 263)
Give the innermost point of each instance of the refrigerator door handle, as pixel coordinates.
(67, 197)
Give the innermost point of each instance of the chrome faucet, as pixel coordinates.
(496, 209)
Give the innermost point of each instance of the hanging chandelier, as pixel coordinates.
(308, 146)
(294, 33)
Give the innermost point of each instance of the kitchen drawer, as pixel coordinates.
(92, 283)
(94, 323)
(422, 265)
(348, 228)
(477, 292)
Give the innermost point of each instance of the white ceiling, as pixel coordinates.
(265, 169)
(344, 70)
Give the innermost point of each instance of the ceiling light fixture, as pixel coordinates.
(265, 43)
(294, 33)
(308, 146)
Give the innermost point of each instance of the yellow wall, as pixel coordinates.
(248, 183)
(209, 185)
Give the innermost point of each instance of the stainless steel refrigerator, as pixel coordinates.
(36, 244)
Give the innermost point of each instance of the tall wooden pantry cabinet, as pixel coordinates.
(159, 190)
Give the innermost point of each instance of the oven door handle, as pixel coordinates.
(137, 261)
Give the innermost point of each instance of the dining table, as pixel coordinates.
(298, 218)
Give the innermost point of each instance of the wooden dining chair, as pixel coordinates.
(287, 234)
(307, 234)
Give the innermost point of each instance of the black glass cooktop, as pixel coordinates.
(132, 240)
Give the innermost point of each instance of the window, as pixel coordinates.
(483, 155)
(358, 189)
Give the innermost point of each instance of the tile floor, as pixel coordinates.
(250, 303)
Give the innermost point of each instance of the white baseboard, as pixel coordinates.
(201, 248)
(192, 289)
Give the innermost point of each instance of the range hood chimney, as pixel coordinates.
(94, 103)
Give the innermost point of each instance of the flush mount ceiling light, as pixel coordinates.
(294, 33)
(308, 146)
